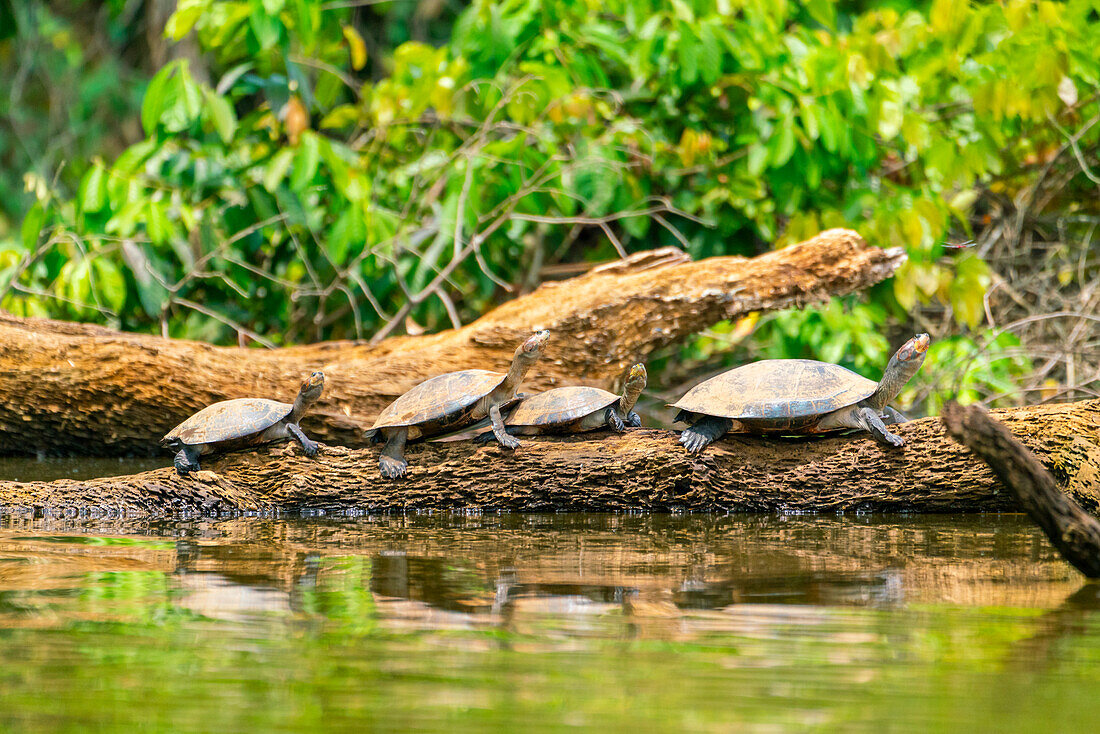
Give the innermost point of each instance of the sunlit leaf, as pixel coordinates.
(221, 114)
(306, 161)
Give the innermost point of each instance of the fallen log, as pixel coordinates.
(639, 470)
(1074, 532)
(87, 390)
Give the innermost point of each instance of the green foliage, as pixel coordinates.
(68, 91)
(290, 199)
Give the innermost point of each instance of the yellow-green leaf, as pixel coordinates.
(357, 47)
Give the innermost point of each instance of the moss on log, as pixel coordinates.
(87, 390)
(639, 470)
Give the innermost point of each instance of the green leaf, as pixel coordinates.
(109, 283)
(153, 103)
(349, 231)
(306, 160)
(221, 115)
(93, 192)
(183, 20)
(277, 168)
(265, 26)
(781, 145)
(687, 49)
(757, 159)
(823, 11)
(32, 226)
(710, 48)
(181, 102)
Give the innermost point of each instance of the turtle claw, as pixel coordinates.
(511, 443)
(634, 420)
(310, 449)
(896, 441)
(694, 441)
(392, 468)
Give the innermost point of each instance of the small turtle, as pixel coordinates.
(450, 402)
(575, 409)
(236, 424)
(797, 396)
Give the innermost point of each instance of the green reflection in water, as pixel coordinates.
(544, 623)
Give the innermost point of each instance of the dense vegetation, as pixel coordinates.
(287, 185)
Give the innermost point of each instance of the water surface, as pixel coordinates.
(617, 623)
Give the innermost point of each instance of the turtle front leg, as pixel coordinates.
(391, 462)
(634, 420)
(870, 420)
(186, 460)
(614, 421)
(504, 438)
(703, 432)
(310, 447)
(891, 416)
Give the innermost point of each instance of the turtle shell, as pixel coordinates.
(560, 405)
(229, 420)
(778, 390)
(440, 399)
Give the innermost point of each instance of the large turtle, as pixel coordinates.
(450, 402)
(575, 409)
(235, 424)
(797, 396)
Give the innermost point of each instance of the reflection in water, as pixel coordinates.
(680, 623)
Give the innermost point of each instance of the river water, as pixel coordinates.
(507, 622)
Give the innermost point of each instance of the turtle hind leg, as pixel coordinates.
(891, 416)
(186, 460)
(703, 432)
(309, 447)
(490, 436)
(391, 462)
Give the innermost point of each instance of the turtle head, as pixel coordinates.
(533, 347)
(903, 365)
(526, 355)
(637, 376)
(311, 388)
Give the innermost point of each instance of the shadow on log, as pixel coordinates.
(1074, 532)
(639, 470)
(87, 390)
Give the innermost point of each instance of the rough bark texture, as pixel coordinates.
(1074, 532)
(76, 389)
(640, 470)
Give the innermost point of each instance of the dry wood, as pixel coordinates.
(76, 389)
(640, 470)
(1074, 532)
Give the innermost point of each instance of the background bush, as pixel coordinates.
(289, 185)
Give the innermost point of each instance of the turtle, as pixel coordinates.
(575, 409)
(797, 396)
(243, 422)
(450, 402)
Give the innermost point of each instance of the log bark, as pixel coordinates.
(1074, 532)
(87, 390)
(639, 470)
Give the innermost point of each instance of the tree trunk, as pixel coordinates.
(1074, 532)
(80, 389)
(640, 470)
